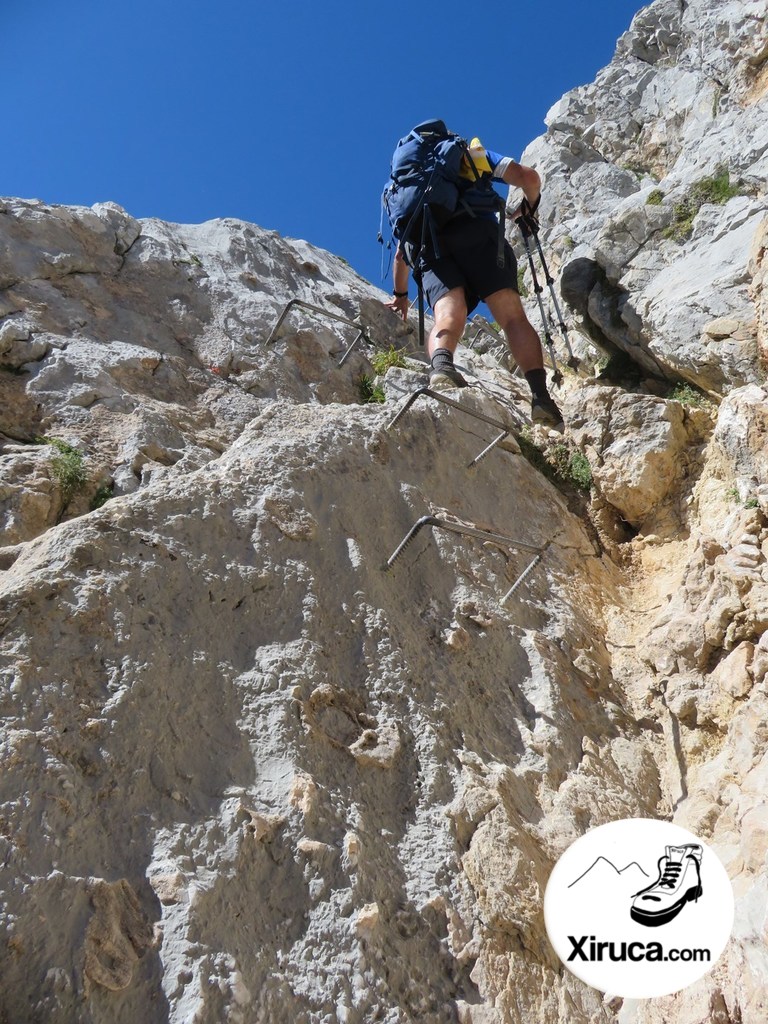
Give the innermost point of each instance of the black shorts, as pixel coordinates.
(468, 259)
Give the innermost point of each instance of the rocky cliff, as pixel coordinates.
(250, 772)
(655, 204)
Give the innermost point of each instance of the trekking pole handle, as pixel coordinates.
(524, 229)
(528, 215)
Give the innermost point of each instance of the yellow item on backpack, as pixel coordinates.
(479, 159)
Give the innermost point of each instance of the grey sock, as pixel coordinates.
(443, 357)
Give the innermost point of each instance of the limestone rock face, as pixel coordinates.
(249, 774)
(254, 689)
(142, 344)
(654, 195)
(293, 727)
(638, 446)
(758, 270)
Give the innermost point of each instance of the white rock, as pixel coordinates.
(640, 443)
(317, 780)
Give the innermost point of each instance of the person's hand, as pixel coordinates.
(525, 218)
(400, 304)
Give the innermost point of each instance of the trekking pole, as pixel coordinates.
(573, 362)
(422, 341)
(424, 224)
(525, 230)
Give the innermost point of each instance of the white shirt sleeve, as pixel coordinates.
(500, 169)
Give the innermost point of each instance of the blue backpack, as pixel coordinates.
(426, 189)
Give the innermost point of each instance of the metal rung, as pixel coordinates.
(471, 531)
(351, 348)
(440, 397)
(487, 450)
(424, 521)
(467, 531)
(522, 578)
(496, 340)
(322, 312)
(498, 347)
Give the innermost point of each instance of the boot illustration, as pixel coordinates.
(678, 883)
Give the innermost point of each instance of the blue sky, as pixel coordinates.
(283, 114)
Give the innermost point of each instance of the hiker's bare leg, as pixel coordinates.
(450, 319)
(507, 309)
(508, 312)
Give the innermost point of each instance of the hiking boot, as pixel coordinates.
(446, 377)
(545, 413)
(679, 882)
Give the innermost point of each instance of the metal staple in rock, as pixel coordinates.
(439, 397)
(322, 312)
(525, 574)
(471, 531)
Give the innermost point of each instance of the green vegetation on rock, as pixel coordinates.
(561, 462)
(690, 396)
(68, 468)
(715, 191)
(102, 496)
(368, 391)
(387, 358)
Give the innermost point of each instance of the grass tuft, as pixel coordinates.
(560, 462)
(690, 396)
(386, 359)
(368, 391)
(68, 467)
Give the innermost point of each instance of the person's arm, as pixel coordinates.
(525, 178)
(400, 275)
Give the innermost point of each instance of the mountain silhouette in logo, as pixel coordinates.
(604, 870)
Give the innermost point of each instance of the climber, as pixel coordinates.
(470, 266)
